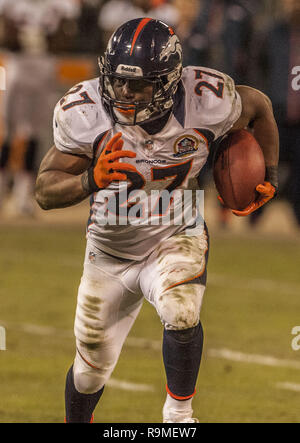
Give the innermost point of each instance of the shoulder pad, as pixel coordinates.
(79, 117)
(211, 99)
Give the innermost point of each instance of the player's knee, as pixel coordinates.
(179, 307)
(93, 368)
(87, 382)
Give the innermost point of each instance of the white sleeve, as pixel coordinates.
(226, 111)
(65, 137)
(79, 119)
(234, 115)
(212, 101)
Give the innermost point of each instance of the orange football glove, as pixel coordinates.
(108, 167)
(266, 192)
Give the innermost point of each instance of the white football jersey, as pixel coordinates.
(129, 219)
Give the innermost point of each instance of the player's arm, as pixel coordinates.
(257, 113)
(60, 180)
(66, 179)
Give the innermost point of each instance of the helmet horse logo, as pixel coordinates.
(172, 47)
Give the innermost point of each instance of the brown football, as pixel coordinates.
(238, 168)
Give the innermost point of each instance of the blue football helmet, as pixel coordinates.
(143, 52)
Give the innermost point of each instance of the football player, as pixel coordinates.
(146, 124)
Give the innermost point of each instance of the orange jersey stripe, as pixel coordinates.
(141, 25)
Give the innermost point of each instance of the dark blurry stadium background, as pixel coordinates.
(251, 365)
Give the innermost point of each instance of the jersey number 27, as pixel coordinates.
(213, 82)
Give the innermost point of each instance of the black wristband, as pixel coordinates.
(92, 184)
(88, 181)
(272, 176)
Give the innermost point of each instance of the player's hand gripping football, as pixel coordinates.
(266, 192)
(108, 167)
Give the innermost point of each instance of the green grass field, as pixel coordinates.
(251, 305)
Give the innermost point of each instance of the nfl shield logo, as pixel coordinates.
(92, 256)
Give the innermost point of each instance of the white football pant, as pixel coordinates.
(111, 294)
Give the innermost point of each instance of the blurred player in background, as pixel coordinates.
(116, 12)
(165, 117)
(88, 39)
(216, 33)
(28, 35)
